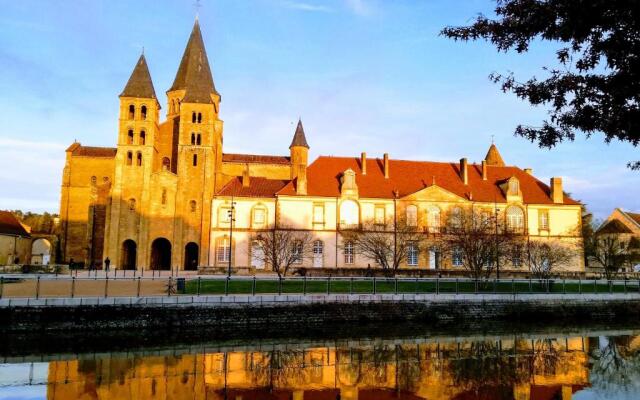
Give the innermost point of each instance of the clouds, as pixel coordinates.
(361, 8)
(299, 5)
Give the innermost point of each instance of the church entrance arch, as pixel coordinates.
(128, 255)
(161, 254)
(191, 256)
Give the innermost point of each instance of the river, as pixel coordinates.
(576, 363)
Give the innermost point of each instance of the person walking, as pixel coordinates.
(107, 262)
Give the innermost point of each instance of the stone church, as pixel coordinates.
(162, 198)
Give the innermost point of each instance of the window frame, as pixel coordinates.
(349, 253)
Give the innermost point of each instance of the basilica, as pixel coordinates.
(168, 196)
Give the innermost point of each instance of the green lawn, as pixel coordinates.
(359, 285)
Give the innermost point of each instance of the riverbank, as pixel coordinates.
(232, 312)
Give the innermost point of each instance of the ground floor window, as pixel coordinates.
(348, 253)
(223, 250)
(412, 254)
(456, 257)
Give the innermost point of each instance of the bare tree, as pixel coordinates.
(388, 248)
(611, 253)
(543, 258)
(478, 239)
(283, 248)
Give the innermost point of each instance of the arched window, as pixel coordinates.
(193, 117)
(143, 112)
(164, 196)
(166, 163)
(143, 137)
(132, 111)
(132, 204)
(412, 215)
(193, 138)
(195, 160)
(455, 218)
(223, 250)
(349, 214)
(515, 219)
(192, 205)
(349, 252)
(198, 139)
(199, 118)
(139, 159)
(129, 158)
(130, 136)
(433, 219)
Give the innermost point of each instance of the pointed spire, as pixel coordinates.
(299, 138)
(140, 84)
(493, 157)
(194, 74)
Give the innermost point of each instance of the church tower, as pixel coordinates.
(193, 106)
(299, 159)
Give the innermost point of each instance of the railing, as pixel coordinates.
(70, 287)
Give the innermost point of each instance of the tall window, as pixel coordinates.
(318, 214)
(130, 136)
(193, 138)
(132, 111)
(143, 112)
(223, 250)
(195, 160)
(456, 257)
(516, 257)
(544, 220)
(297, 251)
(193, 117)
(198, 139)
(433, 219)
(349, 214)
(455, 219)
(412, 215)
(199, 118)
(349, 253)
(515, 219)
(129, 158)
(139, 159)
(259, 217)
(143, 137)
(412, 254)
(379, 217)
(192, 205)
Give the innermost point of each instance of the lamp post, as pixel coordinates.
(232, 218)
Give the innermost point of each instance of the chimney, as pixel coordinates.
(528, 171)
(386, 165)
(464, 173)
(363, 163)
(246, 176)
(484, 170)
(556, 190)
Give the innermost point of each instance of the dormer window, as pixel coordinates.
(514, 187)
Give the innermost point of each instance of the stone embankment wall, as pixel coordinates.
(298, 312)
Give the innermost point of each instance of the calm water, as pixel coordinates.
(592, 365)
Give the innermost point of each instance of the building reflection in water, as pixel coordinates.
(518, 369)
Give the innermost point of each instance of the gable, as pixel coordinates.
(434, 193)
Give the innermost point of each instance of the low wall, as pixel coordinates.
(299, 311)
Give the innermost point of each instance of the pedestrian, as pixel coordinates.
(107, 262)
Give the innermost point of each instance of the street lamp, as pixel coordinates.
(231, 214)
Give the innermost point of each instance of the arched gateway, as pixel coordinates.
(161, 254)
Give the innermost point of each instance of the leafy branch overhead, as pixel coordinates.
(596, 86)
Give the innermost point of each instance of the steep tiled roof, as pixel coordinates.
(258, 187)
(194, 74)
(79, 150)
(255, 158)
(10, 225)
(493, 157)
(299, 139)
(140, 84)
(407, 177)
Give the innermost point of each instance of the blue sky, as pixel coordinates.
(364, 75)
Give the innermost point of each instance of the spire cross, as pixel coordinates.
(492, 139)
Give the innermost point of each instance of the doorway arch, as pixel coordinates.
(41, 252)
(191, 256)
(161, 254)
(128, 255)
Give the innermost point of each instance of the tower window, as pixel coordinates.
(139, 159)
(130, 136)
(195, 160)
(132, 111)
(166, 163)
(132, 204)
(143, 137)
(193, 138)
(198, 139)
(192, 205)
(199, 118)
(129, 158)
(143, 112)
(193, 117)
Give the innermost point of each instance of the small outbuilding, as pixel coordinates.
(15, 240)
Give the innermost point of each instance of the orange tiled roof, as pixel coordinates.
(77, 149)
(9, 225)
(634, 216)
(258, 187)
(407, 177)
(255, 158)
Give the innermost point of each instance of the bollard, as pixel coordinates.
(279, 285)
(198, 290)
(396, 285)
(139, 282)
(564, 286)
(457, 288)
(437, 286)
(38, 287)
(513, 285)
(253, 287)
(73, 286)
(169, 287)
(374, 285)
(579, 286)
(329, 285)
(106, 286)
(226, 286)
(351, 285)
(304, 285)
